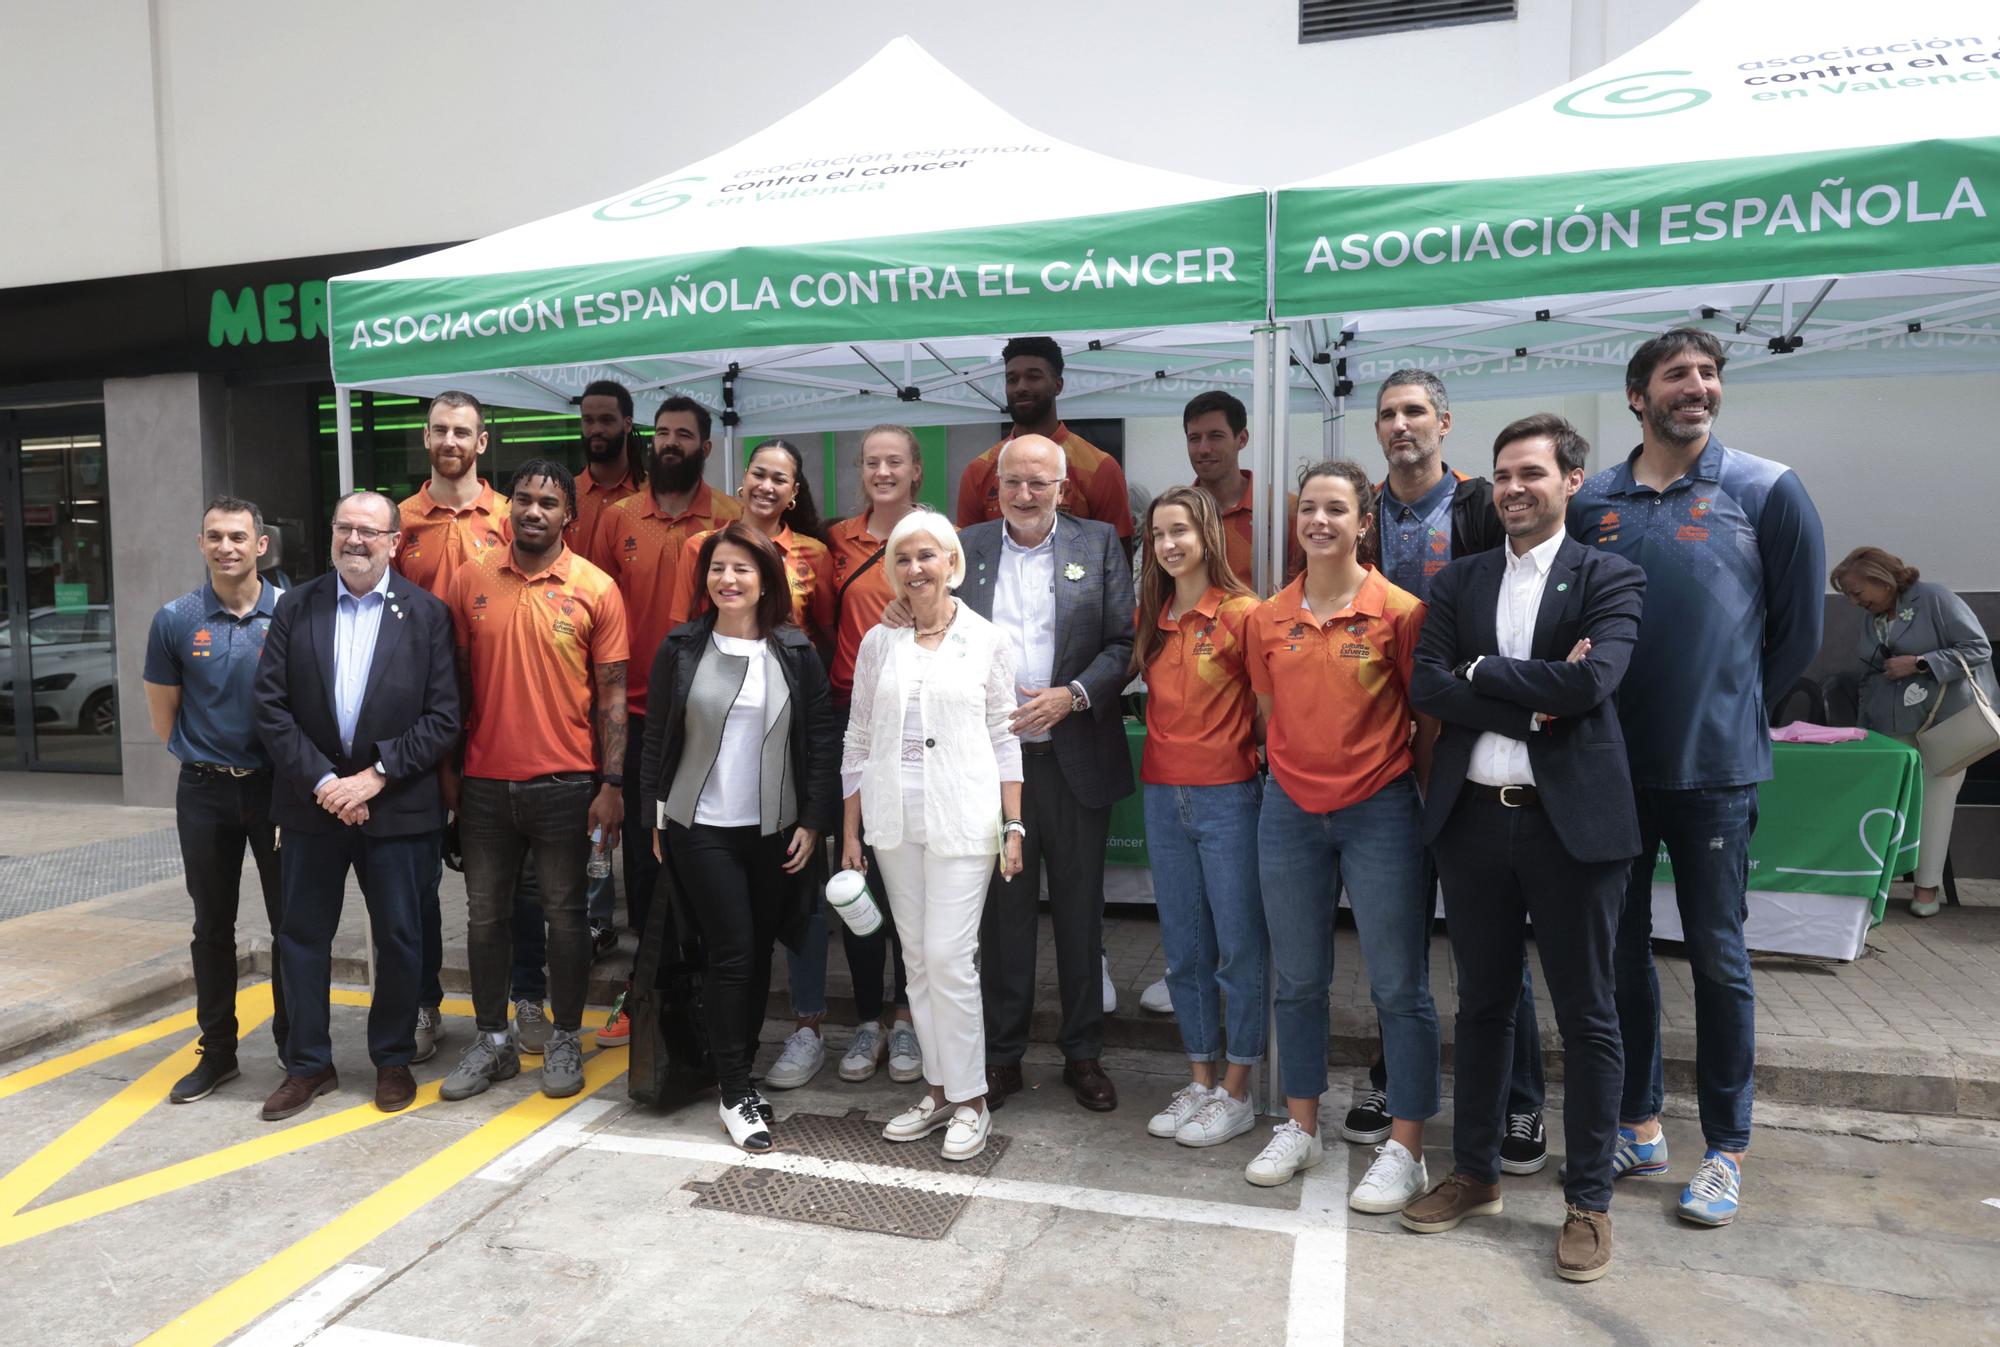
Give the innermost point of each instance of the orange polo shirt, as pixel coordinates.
(807, 563)
(640, 548)
(1096, 485)
(437, 539)
(1236, 525)
(533, 642)
(860, 603)
(1200, 709)
(592, 500)
(1339, 728)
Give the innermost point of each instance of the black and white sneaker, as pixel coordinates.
(1525, 1149)
(745, 1123)
(1368, 1121)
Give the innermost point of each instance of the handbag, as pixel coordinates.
(671, 1062)
(1963, 737)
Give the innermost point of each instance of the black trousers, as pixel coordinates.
(642, 872)
(1068, 839)
(1499, 866)
(393, 872)
(217, 816)
(735, 887)
(545, 821)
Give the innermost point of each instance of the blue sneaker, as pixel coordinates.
(1635, 1158)
(1710, 1198)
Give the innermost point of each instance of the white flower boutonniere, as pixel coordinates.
(1073, 571)
(1907, 615)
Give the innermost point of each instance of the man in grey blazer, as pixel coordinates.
(1060, 589)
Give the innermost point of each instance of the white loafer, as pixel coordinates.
(915, 1123)
(969, 1129)
(745, 1124)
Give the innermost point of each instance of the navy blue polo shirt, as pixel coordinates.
(1415, 538)
(1735, 568)
(210, 654)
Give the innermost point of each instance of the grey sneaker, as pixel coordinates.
(484, 1063)
(562, 1066)
(864, 1052)
(430, 1033)
(531, 1027)
(906, 1059)
(804, 1055)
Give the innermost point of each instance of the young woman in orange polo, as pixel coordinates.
(778, 503)
(1330, 658)
(1202, 793)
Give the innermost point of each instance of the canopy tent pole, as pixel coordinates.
(343, 432)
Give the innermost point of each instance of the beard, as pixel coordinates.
(1030, 412)
(603, 453)
(678, 474)
(1660, 420)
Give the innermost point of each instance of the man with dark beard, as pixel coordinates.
(638, 543)
(1735, 564)
(612, 470)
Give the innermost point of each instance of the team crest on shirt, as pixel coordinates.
(204, 643)
(1696, 532)
(1297, 632)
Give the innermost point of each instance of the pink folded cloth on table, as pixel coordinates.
(1805, 732)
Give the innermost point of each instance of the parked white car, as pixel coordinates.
(75, 672)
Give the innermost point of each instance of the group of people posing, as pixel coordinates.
(1518, 688)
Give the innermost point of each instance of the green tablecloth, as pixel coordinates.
(1837, 819)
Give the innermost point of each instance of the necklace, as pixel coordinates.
(939, 631)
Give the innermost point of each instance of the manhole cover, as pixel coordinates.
(848, 1204)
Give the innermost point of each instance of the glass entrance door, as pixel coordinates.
(58, 664)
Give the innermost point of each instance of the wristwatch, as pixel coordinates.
(381, 771)
(1463, 669)
(616, 782)
(1079, 700)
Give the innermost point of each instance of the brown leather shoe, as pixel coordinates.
(1583, 1250)
(1002, 1081)
(395, 1087)
(1093, 1089)
(296, 1093)
(1444, 1206)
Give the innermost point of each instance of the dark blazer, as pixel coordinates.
(409, 710)
(815, 744)
(1093, 616)
(1579, 758)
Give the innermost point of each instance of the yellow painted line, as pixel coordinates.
(57, 1067)
(284, 1275)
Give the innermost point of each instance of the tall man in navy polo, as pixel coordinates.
(201, 657)
(1735, 567)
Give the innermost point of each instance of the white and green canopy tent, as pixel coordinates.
(847, 265)
(1818, 181)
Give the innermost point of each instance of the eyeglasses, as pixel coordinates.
(1039, 486)
(361, 531)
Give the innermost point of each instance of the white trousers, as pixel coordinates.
(1934, 839)
(937, 901)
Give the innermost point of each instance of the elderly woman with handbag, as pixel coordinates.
(1926, 679)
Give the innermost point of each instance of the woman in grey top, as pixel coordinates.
(1917, 642)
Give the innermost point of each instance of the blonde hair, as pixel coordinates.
(1873, 563)
(923, 519)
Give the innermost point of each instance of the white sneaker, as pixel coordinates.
(918, 1121)
(804, 1055)
(1221, 1119)
(1391, 1182)
(864, 1052)
(967, 1136)
(1290, 1149)
(1110, 992)
(906, 1058)
(1187, 1101)
(1157, 999)
(745, 1124)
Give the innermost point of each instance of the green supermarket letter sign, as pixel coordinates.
(278, 312)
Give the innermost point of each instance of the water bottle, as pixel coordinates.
(848, 892)
(600, 855)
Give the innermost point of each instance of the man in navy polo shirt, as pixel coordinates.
(1735, 569)
(201, 658)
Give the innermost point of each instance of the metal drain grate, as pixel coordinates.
(847, 1204)
(55, 879)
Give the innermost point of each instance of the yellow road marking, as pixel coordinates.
(282, 1276)
(43, 1072)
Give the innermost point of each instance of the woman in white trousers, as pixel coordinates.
(932, 778)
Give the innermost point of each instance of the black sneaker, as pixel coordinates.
(603, 941)
(1368, 1121)
(1525, 1148)
(201, 1082)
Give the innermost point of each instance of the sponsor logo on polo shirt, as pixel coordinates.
(204, 641)
(1695, 533)
(631, 545)
(1355, 650)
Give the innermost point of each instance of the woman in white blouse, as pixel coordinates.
(932, 777)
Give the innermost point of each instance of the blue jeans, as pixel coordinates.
(1707, 836)
(1203, 842)
(1375, 848)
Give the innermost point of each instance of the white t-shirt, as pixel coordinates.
(730, 798)
(916, 669)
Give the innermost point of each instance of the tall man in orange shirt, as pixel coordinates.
(613, 468)
(455, 517)
(638, 544)
(541, 655)
(1095, 483)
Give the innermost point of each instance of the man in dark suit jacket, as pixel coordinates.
(357, 703)
(1530, 812)
(1060, 589)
